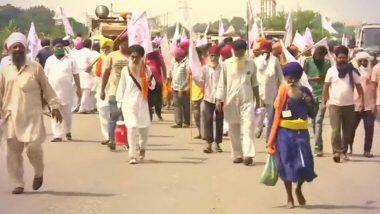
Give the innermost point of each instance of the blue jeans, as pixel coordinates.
(369, 126)
(115, 114)
(318, 126)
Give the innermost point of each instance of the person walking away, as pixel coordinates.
(269, 77)
(289, 138)
(61, 71)
(338, 96)
(237, 94)
(44, 53)
(114, 64)
(367, 114)
(156, 64)
(316, 68)
(180, 76)
(132, 96)
(208, 80)
(196, 96)
(23, 87)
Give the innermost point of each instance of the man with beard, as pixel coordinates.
(237, 94)
(316, 68)
(132, 97)
(23, 87)
(338, 94)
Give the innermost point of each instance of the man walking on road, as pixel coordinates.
(23, 87)
(236, 94)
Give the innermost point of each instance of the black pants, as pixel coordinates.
(208, 120)
(369, 125)
(197, 114)
(155, 101)
(182, 108)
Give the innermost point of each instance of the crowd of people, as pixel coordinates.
(234, 90)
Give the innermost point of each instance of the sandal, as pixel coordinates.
(208, 149)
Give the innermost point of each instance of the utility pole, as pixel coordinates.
(184, 7)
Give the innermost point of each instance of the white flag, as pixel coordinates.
(183, 35)
(289, 31)
(66, 23)
(253, 35)
(194, 62)
(299, 41)
(221, 30)
(176, 36)
(34, 43)
(345, 40)
(206, 31)
(328, 26)
(308, 37)
(165, 51)
(138, 31)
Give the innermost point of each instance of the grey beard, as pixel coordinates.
(19, 59)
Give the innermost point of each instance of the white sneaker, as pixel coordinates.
(133, 161)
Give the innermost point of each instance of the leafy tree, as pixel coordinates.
(240, 25)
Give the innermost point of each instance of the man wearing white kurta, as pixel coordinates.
(23, 87)
(61, 72)
(84, 60)
(132, 96)
(236, 94)
(269, 77)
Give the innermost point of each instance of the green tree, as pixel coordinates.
(240, 25)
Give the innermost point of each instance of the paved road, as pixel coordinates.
(84, 177)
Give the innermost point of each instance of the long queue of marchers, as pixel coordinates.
(231, 88)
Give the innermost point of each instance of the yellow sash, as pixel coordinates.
(298, 124)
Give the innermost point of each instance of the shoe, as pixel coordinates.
(18, 190)
(160, 118)
(318, 153)
(142, 154)
(368, 155)
(345, 157)
(133, 161)
(56, 140)
(225, 134)
(105, 142)
(218, 149)
(68, 137)
(238, 160)
(248, 161)
(176, 126)
(186, 126)
(198, 137)
(37, 182)
(336, 158)
(208, 149)
(112, 146)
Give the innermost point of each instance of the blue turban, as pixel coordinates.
(57, 41)
(293, 69)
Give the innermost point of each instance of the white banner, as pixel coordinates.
(138, 31)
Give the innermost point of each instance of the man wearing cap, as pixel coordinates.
(269, 77)
(61, 72)
(180, 76)
(23, 86)
(368, 112)
(237, 93)
(208, 80)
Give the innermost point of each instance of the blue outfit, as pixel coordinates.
(294, 157)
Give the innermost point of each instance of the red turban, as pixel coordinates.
(266, 46)
(179, 53)
(185, 46)
(214, 50)
(226, 52)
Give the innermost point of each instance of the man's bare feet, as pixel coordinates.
(290, 204)
(300, 198)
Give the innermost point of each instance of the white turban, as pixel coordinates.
(16, 38)
(362, 55)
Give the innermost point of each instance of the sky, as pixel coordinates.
(211, 10)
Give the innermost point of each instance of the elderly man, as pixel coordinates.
(236, 93)
(269, 77)
(179, 76)
(61, 72)
(23, 87)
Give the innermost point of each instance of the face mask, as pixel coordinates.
(59, 52)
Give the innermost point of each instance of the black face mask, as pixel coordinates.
(19, 59)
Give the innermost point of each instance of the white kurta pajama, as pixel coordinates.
(235, 90)
(103, 105)
(84, 59)
(60, 73)
(135, 111)
(21, 107)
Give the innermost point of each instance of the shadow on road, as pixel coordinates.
(70, 194)
(162, 136)
(338, 207)
(158, 145)
(169, 150)
(171, 162)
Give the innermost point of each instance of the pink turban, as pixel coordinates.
(179, 53)
(78, 43)
(226, 52)
(185, 46)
